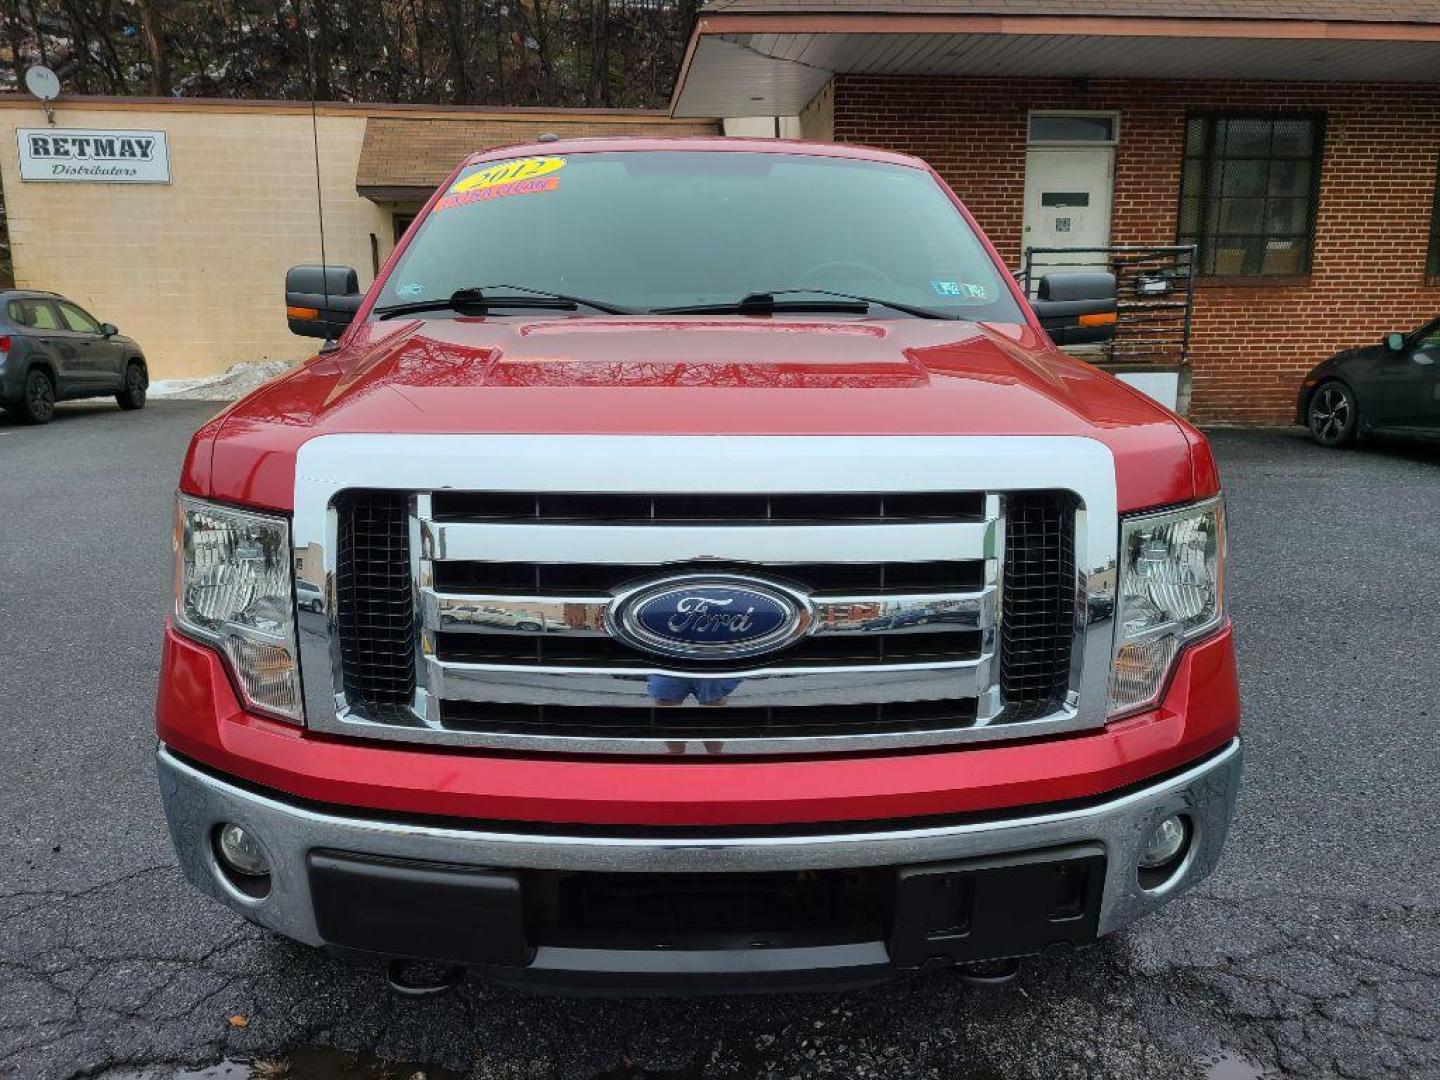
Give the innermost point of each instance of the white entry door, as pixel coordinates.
(1067, 199)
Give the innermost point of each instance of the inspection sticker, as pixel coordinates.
(962, 290)
(523, 176)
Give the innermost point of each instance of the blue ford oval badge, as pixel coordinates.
(715, 617)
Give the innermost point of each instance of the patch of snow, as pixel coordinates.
(237, 381)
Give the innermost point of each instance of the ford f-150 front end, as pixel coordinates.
(710, 575)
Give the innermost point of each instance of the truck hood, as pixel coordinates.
(691, 376)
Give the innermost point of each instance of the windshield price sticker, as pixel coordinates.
(523, 176)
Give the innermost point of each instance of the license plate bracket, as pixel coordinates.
(996, 908)
(419, 910)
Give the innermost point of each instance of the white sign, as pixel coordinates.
(96, 157)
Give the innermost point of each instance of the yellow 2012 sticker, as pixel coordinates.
(523, 176)
(508, 172)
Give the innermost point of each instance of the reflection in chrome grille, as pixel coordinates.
(375, 604)
(598, 651)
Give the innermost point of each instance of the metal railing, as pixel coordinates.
(1155, 290)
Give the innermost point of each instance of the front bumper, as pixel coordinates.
(197, 802)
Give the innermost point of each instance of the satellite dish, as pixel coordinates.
(42, 82)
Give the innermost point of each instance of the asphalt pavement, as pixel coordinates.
(1313, 951)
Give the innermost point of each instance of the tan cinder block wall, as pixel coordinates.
(194, 270)
(817, 120)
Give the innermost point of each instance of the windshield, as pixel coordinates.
(648, 230)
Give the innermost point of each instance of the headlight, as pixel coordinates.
(233, 591)
(1171, 591)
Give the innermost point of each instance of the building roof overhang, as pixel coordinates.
(402, 159)
(772, 59)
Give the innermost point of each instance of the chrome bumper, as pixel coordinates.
(196, 802)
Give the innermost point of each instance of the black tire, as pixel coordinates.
(1332, 415)
(37, 403)
(132, 390)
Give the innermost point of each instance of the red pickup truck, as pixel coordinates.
(693, 565)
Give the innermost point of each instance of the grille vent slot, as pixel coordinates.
(601, 508)
(1038, 607)
(375, 602)
(615, 722)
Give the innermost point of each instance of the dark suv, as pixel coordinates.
(52, 350)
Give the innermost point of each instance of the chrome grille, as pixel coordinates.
(532, 537)
(478, 618)
(904, 642)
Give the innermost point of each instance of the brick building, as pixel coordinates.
(1295, 142)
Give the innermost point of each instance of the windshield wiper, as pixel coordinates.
(764, 303)
(478, 298)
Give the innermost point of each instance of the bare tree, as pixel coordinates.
(538, 16)
(15, 37)
(324, 52)
(7, 262)
(495, 52)
(459, 47)
(153, 28)
(599, 92)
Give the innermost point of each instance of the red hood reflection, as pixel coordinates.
(688, 375)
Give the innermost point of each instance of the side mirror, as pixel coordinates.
(1395, 342)
(108, 329)
(321, 301)
(1077, 307)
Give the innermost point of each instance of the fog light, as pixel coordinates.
(1166, 841)
(239, 852)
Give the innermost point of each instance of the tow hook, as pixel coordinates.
(988, 972)
(415, 980)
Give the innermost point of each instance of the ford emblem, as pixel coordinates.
(715, 617)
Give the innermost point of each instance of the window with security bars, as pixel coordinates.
(1248, 193)
(1432, 264)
